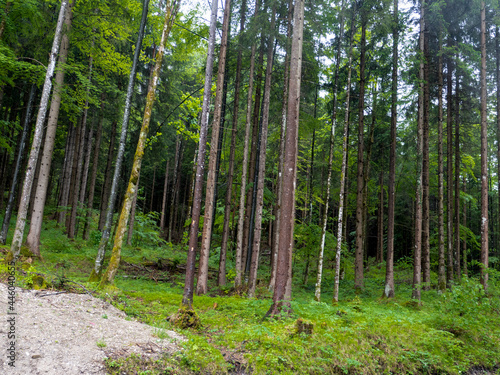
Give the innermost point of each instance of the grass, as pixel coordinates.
(362, 334)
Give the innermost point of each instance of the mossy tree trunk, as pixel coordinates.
(109, 274)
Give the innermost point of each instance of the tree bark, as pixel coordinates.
(426, 254)
(358, 262)
(277, 209)
(202, 285)
(187, 298)
(106, 223)
(109, 274)
(283, 272)
(105, 193)
(17, 168)
(165, 189)
(266, 100)
(241, 214)
(441, 247)
(457, 175)
(484, 155)
(37, 138)
(449, 176)
(417, 250)
(130, 232)
(93, 176)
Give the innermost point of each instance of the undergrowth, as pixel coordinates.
(363, 334)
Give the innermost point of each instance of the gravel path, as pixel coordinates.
(71, 334)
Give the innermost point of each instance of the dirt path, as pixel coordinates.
(67, 334)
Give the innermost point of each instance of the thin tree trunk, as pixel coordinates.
(93, 176)
(417, 252)
(241, 215)
(464, 223)
(109, 274)
(277, 209)
(497, 48)
(441, 247)
(66, 175)
(165, 189)
(202, 285)
(380, 221)
(358, 263)
(107, 177)
(130, 232)
(17, 168)
(457, 175)
(85, 176)
(187, 298)
(252, 282)
(106, 227)
(283, 272)
(484, 155)
(75, 170)
(175, 193)
(37, 138)
(343, 171)
(152, 189)
(449, 176)
(221, 280)
(426, 254)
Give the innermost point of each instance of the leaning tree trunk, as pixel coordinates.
(343, 170)
(324, 220)
(109, 274)
(261, 165)
(187, 298)
(285, 249)
(37, 137)
(17, 168)
(202, 285)
(241, 212)
(106, 229)
(33, 239)
(484, 155)
(130, 231)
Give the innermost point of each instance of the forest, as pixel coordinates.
(298, 186)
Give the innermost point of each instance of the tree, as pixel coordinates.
(290, 167)
(484, 155)
(37, 137)
(108, 276)
(96, 272)
(201, 287)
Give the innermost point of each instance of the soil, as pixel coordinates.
(67, 334)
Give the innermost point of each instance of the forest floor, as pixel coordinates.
(69, 333)
(67, 326)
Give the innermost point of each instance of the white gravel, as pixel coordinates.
(70, 334)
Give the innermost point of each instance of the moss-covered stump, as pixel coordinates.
(186, 318)
(303, 326)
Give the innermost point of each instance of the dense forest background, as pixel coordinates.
(281, 146)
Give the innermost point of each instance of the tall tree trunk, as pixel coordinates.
(221, 280)
(85, 175)
(187, 297)
(449, 168)
(417, 250)
(93, 176)
(66, 175)
(106, 188)
(343, 170)
(106, 227)
(202, 285)
(37, 138)
(165, 188)
(283, 272)
(497, 48)
(358, 263)
(266, 100)
(391, 188)
(380, 221)
(441, 247)
(130, 231)
(75, 169)
(457, 175)
(109, 274)
(175, 193)
(33, 239)
(241, 215)
(426, 253)
(484, 155)
(277, 208)
(17, 168)
(152, 189)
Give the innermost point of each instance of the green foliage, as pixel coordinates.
(146, 231)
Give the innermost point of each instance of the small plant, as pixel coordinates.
(101, 344)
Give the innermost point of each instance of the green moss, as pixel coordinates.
(186, 318)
